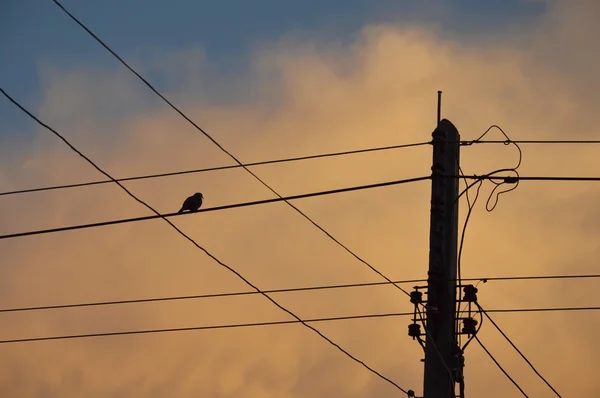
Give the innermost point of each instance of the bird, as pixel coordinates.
(192, 203)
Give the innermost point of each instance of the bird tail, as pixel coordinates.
(180, 211)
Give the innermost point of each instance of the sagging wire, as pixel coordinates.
(512, 181)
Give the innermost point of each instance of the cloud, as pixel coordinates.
(316, 95)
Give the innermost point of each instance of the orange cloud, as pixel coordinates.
(329, 97)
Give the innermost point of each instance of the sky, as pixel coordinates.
(271, 80)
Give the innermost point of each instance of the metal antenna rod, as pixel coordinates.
(439, 108)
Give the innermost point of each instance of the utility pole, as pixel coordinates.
(441, 355)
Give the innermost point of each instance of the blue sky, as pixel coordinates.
(37, 31)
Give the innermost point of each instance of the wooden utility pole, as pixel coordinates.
(440, 334)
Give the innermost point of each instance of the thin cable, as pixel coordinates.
(200, 247)
(250, 293)
(468, 143)
(204, 296)
(516, 349)
(552, 309)
(216, 208)
(209, 327)
(500, 367)
(522, 178)
(324, 287)
(533, 277)
(183, 115)
(175, 173)
(514, 169)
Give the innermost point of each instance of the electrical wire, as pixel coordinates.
(521, 178)
(516, 349)
(175, 173)
(200, 247)
(500, 367)
(290, 290)
(322, 287)
(183, 115)
(268, 162)
(207, 327)
(216, 208)
(506, 142)
(250, 293)
(560, 309)
(204, 296)
(532, 277)
(512, 169)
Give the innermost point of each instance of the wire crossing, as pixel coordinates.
(191, 240)
(191, 122)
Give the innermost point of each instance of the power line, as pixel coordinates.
(192, 171)
(500, 366)
(203, 296)
(229, 268)
(304, 289)
(560, 309)
(217, 208)
(511, 179)
(265, 201)
(268, 162)
(516, 349)
(532, 277)
(290, 290)
(506, 142)
(208, 327)
(183, 115)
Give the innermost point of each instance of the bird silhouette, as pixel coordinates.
(192, 203)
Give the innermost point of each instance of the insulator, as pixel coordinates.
(470, 293)
(410, 393)
(414, 330)
(469, 326)
(416, 297)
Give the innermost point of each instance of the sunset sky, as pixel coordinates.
(274, 79)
